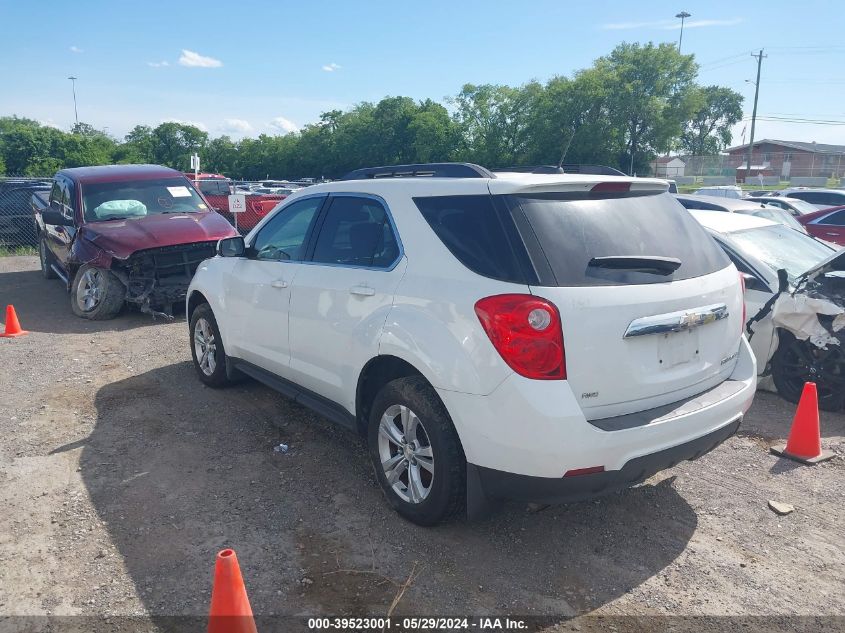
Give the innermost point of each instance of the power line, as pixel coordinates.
(723, 59)
(772, 119)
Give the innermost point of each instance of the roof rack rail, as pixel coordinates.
(595, 170)
(432, 170)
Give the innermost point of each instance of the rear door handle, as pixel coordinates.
(364, 291)
(279, 283)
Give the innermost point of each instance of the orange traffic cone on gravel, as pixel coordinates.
(13, 326)
(805, 442)
(230, 611)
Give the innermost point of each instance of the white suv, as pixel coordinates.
(547, 337)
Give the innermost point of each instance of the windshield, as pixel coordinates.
(780, 247)
(139, 198)
(802, 206)
(780, 216)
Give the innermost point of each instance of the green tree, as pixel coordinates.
(173, 143)
(220, 155)
(137, 146)
(650, 97)
(708, 131)
(436, 136)
(493, 122)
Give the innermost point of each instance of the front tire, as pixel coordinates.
(46, 259)
(417, 456)
(207, 348)
(796, 362)
(96, 294)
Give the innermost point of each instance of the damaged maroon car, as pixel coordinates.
(125, 234)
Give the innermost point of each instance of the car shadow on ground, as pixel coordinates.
(179, 471)
(43, 305)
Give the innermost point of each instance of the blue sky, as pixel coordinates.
(252, 66)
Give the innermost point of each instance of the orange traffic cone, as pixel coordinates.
(13, 326)
(805, 443)
(230, 611)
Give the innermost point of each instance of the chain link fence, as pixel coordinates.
(17, 223)
(768, 169)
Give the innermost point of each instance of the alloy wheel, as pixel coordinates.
(405, 454)
(205, 347)
(90, 289)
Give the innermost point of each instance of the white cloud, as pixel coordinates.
(236, 126)
(668, 25)
(197, 124)
(697, 24)
(330, 68)
(282, 124)
(195, 60)
(160, 64)
(50, 123)
(75, 49)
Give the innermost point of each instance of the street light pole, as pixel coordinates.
(683, 15)
(75, 113)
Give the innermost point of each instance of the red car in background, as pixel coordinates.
(216, 188)
(827, 224)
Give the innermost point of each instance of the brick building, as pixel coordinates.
(788, 159)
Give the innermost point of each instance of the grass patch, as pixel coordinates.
(11, 251)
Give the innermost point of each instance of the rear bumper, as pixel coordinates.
(536, 429)
(496, 484)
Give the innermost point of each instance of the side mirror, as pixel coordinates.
(55, 218)
(752, 282)
(231, 247)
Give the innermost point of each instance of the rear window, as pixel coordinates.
(214, 187)
(571, 232)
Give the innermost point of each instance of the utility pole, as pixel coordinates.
(759, 57)
(683, 15)
(75, 113)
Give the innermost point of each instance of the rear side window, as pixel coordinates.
(834, 219)
(571, 232)
(356, 232)
(819, 197)
(475, 233)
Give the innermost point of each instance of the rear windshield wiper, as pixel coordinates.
(639, 263)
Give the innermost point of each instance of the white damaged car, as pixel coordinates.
(796, 319)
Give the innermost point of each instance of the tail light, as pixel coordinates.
(744, 317)
(526, 331)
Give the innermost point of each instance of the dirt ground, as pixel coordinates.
(121, 476)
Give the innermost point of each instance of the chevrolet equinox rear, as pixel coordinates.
(538, 336)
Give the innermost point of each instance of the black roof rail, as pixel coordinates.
(596, 170)
(432, 170)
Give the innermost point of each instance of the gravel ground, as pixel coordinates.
(121, 476)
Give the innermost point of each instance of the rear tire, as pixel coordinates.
(207, 348)
(46, 258)
(796, 362)
(412, 440)
(96, 294)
